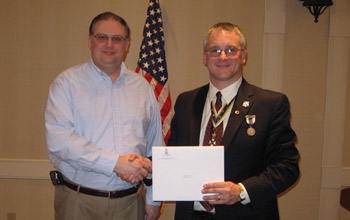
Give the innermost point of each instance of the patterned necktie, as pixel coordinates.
(213, 136)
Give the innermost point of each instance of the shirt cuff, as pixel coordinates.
(246, 199)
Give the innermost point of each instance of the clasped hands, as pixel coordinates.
(133, 168)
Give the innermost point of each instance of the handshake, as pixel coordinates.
(133, 168)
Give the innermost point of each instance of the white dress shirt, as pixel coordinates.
(228, 94)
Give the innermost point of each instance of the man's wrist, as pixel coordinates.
(148, 180)
(243, 194)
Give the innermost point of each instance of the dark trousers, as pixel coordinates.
(201, 215)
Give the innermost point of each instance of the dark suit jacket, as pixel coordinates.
(266, 163)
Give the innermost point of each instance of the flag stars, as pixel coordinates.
(161, 69)
(151, 56)
(163, 78)
(149, 34)
(146, 65)
(159, 60)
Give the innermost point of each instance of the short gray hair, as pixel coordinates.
(226, 26)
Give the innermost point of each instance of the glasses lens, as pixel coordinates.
(117, 39)
(103, 38)
(214, 52)
(229, 52)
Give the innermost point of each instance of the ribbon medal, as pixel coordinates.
(218, 117)
(250, 119)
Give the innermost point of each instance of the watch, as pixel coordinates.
(148, 180)
(242, 193)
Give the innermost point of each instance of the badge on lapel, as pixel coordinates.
(250, 119)
(245, 104)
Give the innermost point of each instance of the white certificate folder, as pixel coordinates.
(179, 173)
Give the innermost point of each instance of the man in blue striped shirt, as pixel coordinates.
(101, 122)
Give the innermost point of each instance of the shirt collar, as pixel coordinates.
(123, 70)
(228, 93)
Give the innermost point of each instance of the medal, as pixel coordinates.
(217, 118)
(251, 131)
(212, 141)
(250, 119)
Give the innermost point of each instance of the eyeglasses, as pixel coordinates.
(103, 38)
(230, 52)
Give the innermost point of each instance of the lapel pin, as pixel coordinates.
(245, 104)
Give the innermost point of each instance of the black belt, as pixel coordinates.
(101, 193)
(204, 215)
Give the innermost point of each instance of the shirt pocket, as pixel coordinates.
(137, 122)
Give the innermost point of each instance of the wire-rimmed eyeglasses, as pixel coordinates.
(103, 38)
(230, 52)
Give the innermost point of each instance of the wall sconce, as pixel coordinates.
(317, 7)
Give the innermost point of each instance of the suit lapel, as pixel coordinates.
(238, 113)
(196, 119)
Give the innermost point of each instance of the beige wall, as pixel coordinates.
(287, 52)
(305, 84)
(346, 155)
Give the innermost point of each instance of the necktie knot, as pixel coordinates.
(218, 102)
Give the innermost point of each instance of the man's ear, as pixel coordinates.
(205, 58)
(244, 57)
(89, 40)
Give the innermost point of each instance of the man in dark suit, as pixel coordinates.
(261, 160)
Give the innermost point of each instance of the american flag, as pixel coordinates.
(152, 63)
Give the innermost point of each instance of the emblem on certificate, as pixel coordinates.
(250, 119)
